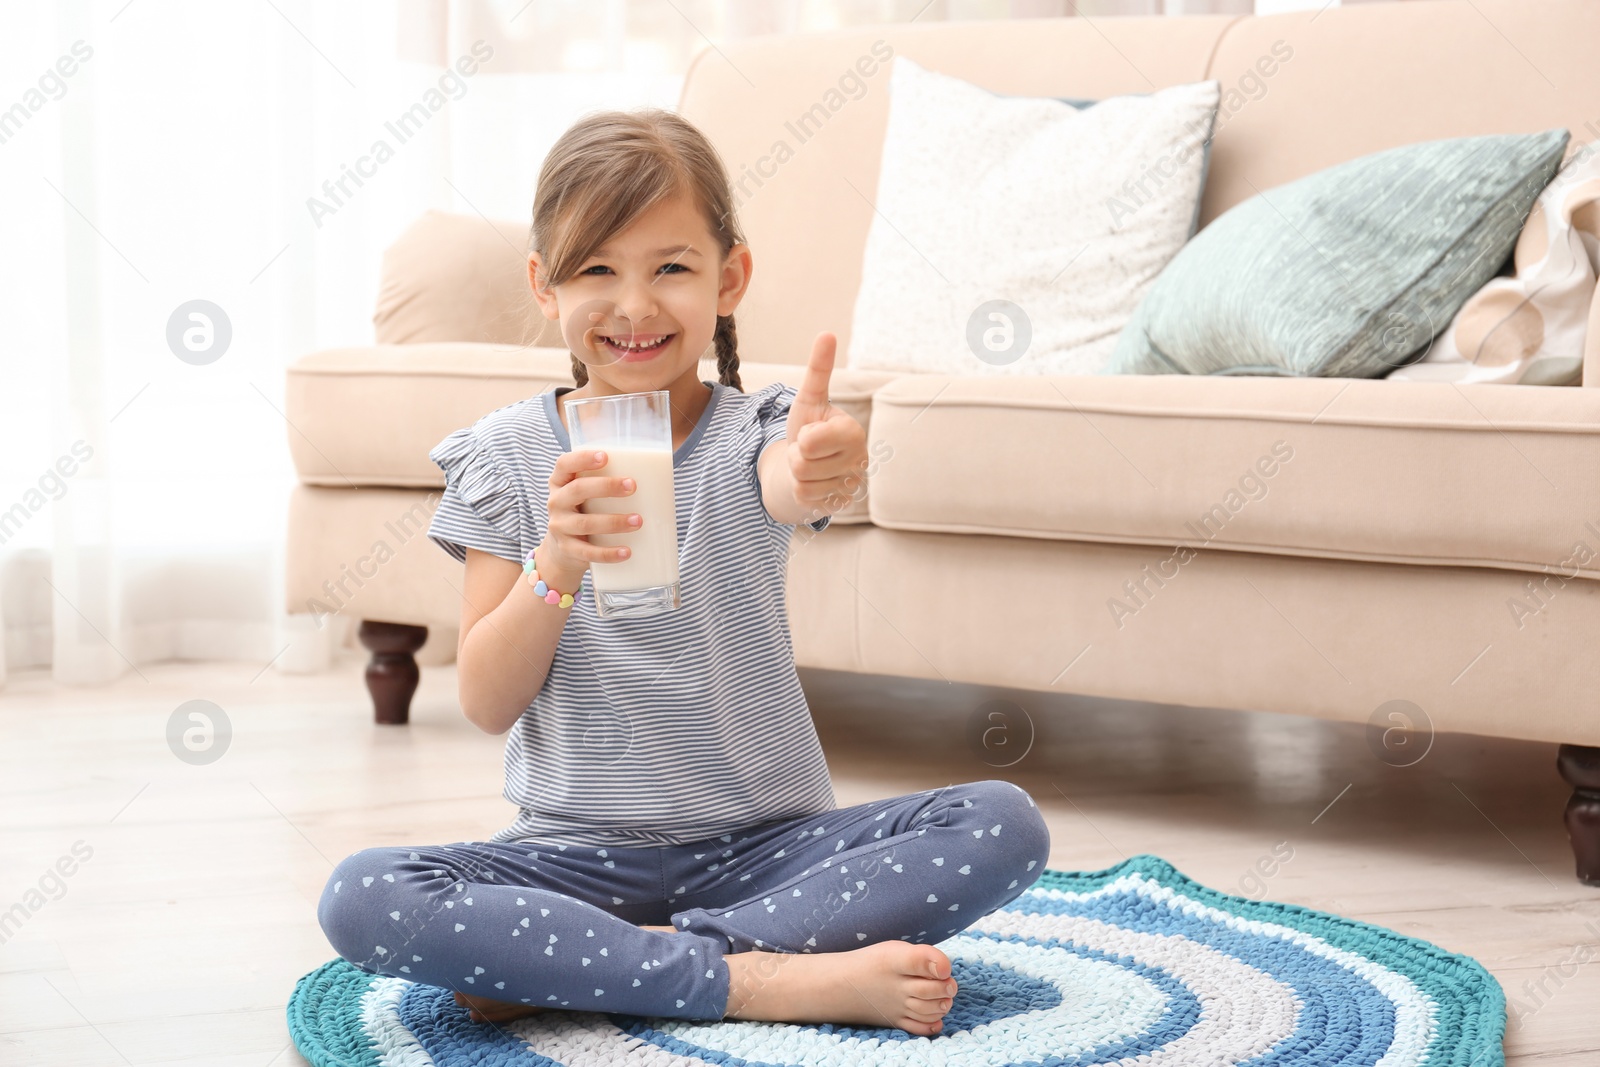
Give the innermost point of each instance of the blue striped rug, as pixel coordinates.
(1135, 963)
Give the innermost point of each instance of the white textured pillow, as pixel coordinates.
(1016, 235)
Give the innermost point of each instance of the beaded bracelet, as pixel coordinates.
(550, 596)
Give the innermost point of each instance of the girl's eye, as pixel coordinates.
(675, 267)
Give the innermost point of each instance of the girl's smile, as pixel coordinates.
(635, 347)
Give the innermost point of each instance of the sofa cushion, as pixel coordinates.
(1349, 272)
(1303, 90)
(1406, 472)
(368, 416)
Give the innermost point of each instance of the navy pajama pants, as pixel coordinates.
(556, 926)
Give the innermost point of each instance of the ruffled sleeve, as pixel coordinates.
(771, 405)
(481, 506)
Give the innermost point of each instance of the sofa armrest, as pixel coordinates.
(368, 415)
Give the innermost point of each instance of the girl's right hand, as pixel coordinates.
(566, 546)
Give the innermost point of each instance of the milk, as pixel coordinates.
(653, 545)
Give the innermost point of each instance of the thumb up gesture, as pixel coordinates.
(827, 450)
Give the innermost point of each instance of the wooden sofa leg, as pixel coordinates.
(392, 672)
(1580, 767)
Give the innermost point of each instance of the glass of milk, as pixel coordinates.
(635, 431)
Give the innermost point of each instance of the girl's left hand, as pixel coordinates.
(827, 447)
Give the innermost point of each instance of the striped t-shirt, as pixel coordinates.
(669, 728)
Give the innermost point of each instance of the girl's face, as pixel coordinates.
(658, 287)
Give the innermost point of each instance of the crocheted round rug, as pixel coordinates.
(1133, 963)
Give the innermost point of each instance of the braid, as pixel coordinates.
(727, 343)
(580, 373)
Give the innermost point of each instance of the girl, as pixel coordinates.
(678, 850)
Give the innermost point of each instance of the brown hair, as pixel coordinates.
(611, 167)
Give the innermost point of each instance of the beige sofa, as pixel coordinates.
(1401, 524)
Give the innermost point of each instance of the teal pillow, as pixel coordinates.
(1346, 273)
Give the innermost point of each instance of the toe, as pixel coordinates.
(921, 960)
(924, 960)
(930, 989)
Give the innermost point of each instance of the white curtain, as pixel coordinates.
(194, 198)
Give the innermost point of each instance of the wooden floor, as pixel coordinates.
(181, 935)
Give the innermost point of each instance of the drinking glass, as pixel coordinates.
(635, 431)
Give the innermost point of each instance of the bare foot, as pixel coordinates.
(489, 1010)
(891, 983)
